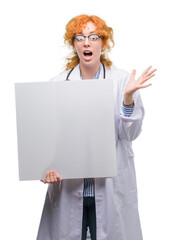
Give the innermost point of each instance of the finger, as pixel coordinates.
(146, 70)
(47, 177)
(145, 86)
(55, 176)
(150, 73)
(58, 177)
(133, 74)
(44, 181)
(51, 174)
(146, 79)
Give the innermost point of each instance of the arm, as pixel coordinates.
(130, 126)
(134, 85)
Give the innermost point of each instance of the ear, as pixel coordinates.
(103, 46)
(73, 48)
(103, 49)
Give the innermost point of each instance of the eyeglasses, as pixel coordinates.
(91, 37)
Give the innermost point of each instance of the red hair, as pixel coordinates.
(75, 26)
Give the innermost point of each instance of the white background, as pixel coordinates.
(32, 49)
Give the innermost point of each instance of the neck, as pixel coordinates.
(88, 72)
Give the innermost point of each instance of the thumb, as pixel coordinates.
(133, 74)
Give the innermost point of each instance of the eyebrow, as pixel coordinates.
(92, 32)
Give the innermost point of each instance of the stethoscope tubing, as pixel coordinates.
(104, 73)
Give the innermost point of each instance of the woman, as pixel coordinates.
(110, 209)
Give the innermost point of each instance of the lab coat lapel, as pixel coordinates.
(75, 74)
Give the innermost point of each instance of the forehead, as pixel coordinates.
(88, 28)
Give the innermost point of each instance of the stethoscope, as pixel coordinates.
(104, 73)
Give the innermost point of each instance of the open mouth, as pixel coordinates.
(87, 53)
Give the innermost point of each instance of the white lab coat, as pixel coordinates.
(117, 215)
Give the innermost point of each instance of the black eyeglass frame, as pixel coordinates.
(99, 36)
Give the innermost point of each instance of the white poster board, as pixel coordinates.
(66, 126)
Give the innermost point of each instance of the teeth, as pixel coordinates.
(88, 53)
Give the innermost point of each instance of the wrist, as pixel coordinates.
(128, 99)
(128, 105)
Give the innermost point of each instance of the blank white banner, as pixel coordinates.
(66, 126)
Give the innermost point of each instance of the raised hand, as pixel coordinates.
(52, 177)
(134, 85)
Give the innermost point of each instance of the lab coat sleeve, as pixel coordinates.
(130, 127)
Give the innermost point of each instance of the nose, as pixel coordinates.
(86, 41)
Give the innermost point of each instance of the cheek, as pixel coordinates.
(77, 49)
(98, 50)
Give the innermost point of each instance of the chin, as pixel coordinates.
(87, 63)
(90, 63)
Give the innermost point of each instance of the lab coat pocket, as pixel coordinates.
(122, 157)
(125, 186)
